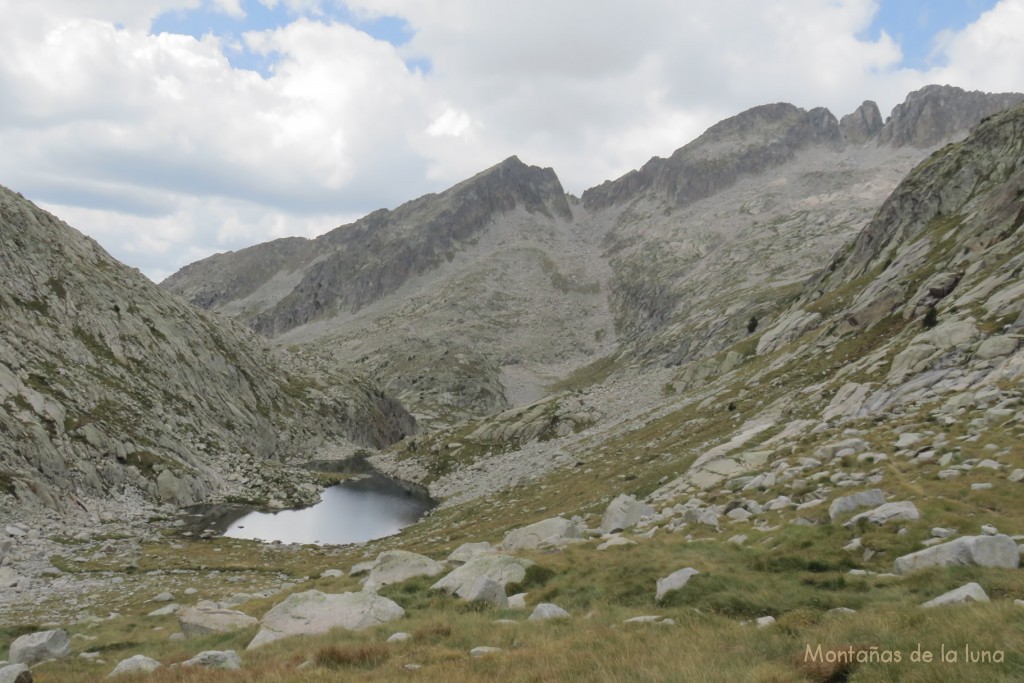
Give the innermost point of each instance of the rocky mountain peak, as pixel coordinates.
(749, 143)
(936, 113)
(278, 286)
(862, 124)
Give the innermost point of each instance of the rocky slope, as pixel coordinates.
(724, 229)
(459, 303)
(828, 478)
(113, 390)
(482, 297)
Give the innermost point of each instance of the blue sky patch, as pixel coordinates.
(207, 19)
(913, 24)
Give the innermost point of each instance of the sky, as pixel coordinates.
(169, 130)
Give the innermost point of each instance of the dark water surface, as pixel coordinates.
(350, 512)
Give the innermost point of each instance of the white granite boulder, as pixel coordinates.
(972, 592)
(467, 551)
(985, 551)
(674, 582)
(215, 659)
(902, 511)
(38, 647)
(847, 504)
(487, 590)
(395, 566)
(15, 673)
(316, 612)
(556, 531)
(502, 569)
(623, 512)
(134, 665)
(203, 620)
(547, 610)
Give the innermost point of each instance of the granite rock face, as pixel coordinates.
(861, 125)
(936, 113)
(109, 383)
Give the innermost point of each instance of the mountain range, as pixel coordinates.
(712, 360)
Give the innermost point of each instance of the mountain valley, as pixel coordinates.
(784, 361)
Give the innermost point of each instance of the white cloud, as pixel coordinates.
(158, 145)
(987, 54)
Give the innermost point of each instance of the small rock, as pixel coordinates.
(615, 541)
(164, 611)
(842, 611)
(847, 504)
(134, 665)
(517, 601)
(215, 659)
(163, 597)
(331, 574)
(972, 592)
(989, 530)
(399, 637)
(673, 582)
(483, 650)
(902, 511)
(765, 621)
(547, 610)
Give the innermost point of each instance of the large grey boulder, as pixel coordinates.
(902, 511)
(502, 569)
(487, 590)
(215, 659)
(395, 566)
(556, 531)
(971, 592)
(38, 647)
(315, 612)
(467, 551)
(623, 512)
(200, 621)
(133, 665)
(674, 582)
(985, 551)
(15, 673)
(844, 505)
